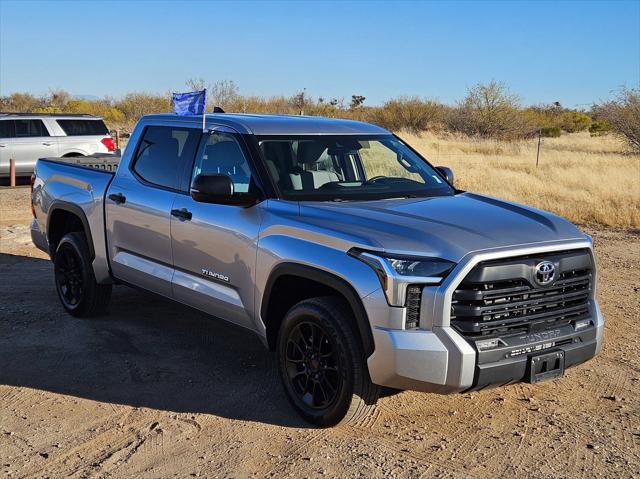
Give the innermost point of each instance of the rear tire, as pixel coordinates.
(321, 364)
(76, 285)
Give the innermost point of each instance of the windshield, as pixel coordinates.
(334, 168)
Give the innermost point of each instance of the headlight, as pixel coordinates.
(424, 267)
(396, 272)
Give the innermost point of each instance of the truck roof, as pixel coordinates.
(277, 124)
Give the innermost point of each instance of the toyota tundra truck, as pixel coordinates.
(361, 265)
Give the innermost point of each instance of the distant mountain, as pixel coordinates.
(85, 97)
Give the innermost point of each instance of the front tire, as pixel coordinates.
(321, 363)
(76, 285)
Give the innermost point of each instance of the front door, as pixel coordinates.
(214, 246)
(139, 203)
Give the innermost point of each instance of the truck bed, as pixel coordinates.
(77, 185)
(100, 161)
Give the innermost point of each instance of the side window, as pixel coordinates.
(6, 129)
(162, 153)
(83, 127)
(222, 154)
(30, 128)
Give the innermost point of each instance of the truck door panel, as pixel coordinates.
(138, 207)
(214, 252)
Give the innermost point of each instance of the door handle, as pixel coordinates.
(2, 145)
(47, 144)
(118, 198)
(182, 213)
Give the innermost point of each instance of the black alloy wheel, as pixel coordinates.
(75, 281)
(322, 368)
(68, 273)
(312, 365)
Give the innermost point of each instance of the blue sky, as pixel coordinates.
(574, 52)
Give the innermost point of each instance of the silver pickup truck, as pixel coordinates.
(344, 250)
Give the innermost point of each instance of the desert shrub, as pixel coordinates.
(21, 103)
(551, 132)
(113, 116)
(412, 114)
(135, 105)
(599, 127)
(58, 98)
(487, 111)
(540, 116)
(574, 121)
(47, 110)
(86, 106)
(623, 114)
(490, 111)
(554, 116)
(220, 93)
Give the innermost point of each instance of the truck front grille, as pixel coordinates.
(502, 297)
(414, 299)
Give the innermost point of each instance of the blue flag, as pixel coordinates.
(192, 103)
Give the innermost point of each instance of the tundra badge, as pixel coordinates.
(214, 275)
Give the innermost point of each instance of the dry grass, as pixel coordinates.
(585, 179)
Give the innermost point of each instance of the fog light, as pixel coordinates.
(583, 323)
(487, 344)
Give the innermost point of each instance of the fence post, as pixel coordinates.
(117, 139)
(539, 138)
(12, 172)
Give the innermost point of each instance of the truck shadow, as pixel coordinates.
(20, 181)
(146, 352)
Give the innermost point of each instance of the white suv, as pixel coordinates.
(25, 137)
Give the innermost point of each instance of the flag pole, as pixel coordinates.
(204, 110)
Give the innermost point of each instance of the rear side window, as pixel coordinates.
(163, 152)
(74, 127)
(6, 129)
(29, 128)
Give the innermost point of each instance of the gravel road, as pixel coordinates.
(157, 390)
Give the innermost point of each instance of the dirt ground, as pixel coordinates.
(157, 390)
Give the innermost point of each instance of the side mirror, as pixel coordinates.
(446, 172)
(219, 189)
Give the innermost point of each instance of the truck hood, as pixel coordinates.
(448, 227)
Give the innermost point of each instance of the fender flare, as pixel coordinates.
(77, 211)
(332, 281)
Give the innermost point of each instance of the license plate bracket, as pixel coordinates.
(543, 367)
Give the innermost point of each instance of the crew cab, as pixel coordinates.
(25, 137)
(360, 264)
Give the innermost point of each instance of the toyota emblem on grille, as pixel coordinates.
(545, 273)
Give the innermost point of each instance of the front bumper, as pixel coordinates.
(442, 361)
(436, 358)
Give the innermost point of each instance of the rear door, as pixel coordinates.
(214, 246)
(31, 140)
(139, 203)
